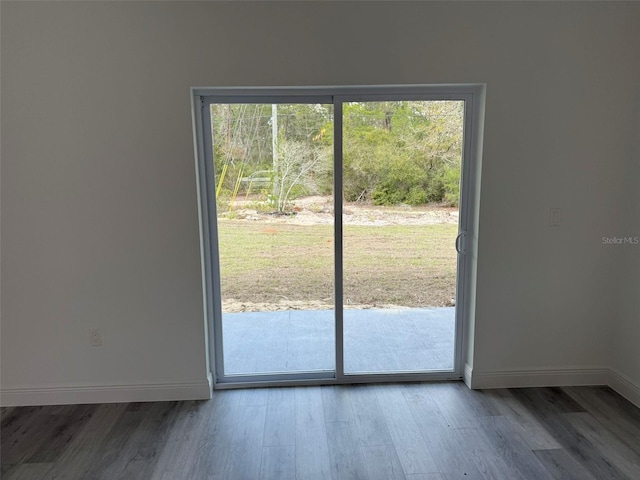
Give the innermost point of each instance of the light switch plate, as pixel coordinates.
(554, 217)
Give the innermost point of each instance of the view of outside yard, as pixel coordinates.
(274, 194)
(393, 257)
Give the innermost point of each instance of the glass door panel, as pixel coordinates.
(273, 167)
(401, 188)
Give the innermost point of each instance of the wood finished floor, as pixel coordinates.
(409, 431)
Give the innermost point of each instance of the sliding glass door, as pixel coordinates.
(401, 177)
(333, 226)
(273, 177)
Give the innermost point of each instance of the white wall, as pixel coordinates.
(626, 344)
(99, 219)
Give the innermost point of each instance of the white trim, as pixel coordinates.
(338, 234)
(548, 377)
(554, 377)
(281, 381)
(467, 375)
(624, 386)
(445, 89)
(67, 395)
(474, 97)
(78, 394)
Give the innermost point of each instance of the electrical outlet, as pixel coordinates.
(555, 217)
(95, 337)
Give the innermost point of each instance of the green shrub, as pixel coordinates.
(385, 196)
(435, 191)
(451, 183)
(416, 196)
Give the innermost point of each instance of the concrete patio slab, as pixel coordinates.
(375, 341)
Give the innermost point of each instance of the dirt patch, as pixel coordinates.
(318, 210)
(234, 306)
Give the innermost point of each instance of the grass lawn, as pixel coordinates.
(406, 265)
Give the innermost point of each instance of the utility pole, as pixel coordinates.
(274, 150)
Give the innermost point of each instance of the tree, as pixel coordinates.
(299, 165)
(393, 152)
(402, 152)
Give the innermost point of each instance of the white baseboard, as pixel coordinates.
(556, 377)
(624, 386)
(467, 375)
(559, 377)
(67, 395)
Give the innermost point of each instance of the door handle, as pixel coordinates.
(459, 242)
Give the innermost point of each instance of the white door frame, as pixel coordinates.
(466, 242)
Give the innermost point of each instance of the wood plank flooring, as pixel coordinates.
(436, 431)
